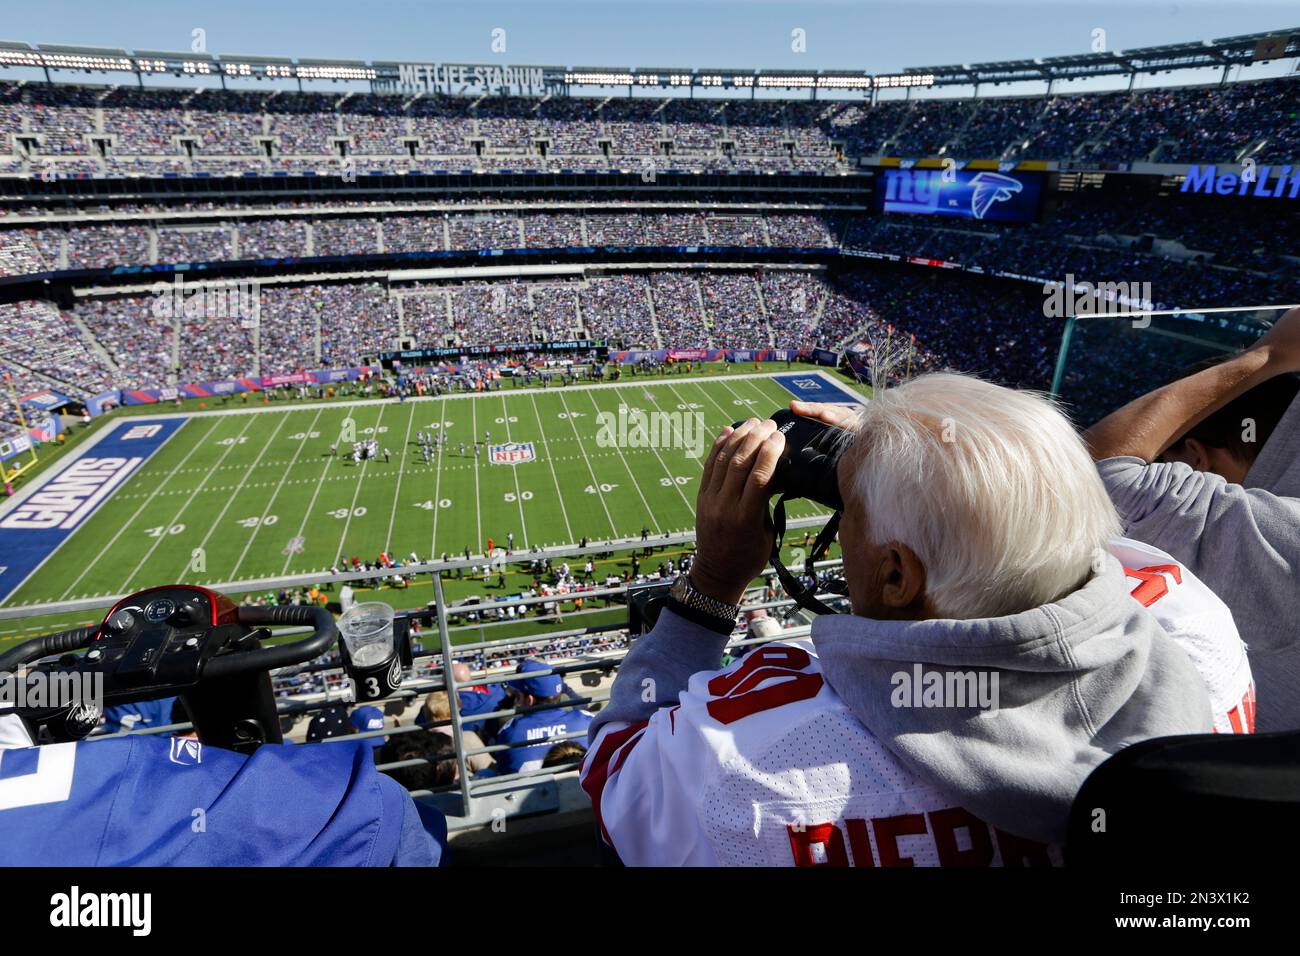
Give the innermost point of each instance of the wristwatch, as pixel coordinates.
(703, 610)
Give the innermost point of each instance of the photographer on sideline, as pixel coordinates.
(993, 659)
(1225, 507)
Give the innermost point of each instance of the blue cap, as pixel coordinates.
(549, 685)
(368, 718)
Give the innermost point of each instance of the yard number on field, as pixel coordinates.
(359, 512)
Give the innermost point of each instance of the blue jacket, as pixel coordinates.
(540, 726)
(170, 801)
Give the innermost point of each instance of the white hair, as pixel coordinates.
(992, 488)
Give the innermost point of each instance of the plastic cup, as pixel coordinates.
(367, 630)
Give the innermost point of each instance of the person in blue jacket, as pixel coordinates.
(171, 801)
(474, 699)
(368, 718)
(540, 726)
(139, 716)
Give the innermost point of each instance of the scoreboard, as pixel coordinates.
(961, 193)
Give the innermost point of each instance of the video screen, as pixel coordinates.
(963, 194)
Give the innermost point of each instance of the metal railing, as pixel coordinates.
(595, 649)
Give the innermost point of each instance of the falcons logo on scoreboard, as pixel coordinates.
(511, 453)
(991, 188)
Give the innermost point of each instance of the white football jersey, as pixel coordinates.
(763, 764)
(1193, 615)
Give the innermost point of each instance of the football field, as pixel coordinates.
(252, 493)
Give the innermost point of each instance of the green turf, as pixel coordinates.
(242, 486)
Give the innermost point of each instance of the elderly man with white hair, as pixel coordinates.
(1003, 642)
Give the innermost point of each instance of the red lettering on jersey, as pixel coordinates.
(1019, 851)
(1242, 717)
(828, 835)
(735, 696)
(1153, 583)
(859, 842)
(781, 656)
(944, 824)
(889, 829)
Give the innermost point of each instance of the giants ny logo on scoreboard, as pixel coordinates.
(963, 194)
(511, 453)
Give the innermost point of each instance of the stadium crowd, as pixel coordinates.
(115, 130)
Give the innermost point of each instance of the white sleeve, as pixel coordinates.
(13, 733)
(645, 780)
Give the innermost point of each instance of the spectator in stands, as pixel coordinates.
(368, 718)
(146, 714)
(1225, 502)
(478, 699)
(435, 716)
(954, 490)
(536, 728)
(332, 722)
(439, 770)
(566, 751)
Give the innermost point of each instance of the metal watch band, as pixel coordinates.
(685, 594)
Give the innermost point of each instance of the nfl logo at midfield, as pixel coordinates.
(511, 453)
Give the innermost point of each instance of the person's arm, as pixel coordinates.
(1148, 425)
(733, 541)
(637, 772)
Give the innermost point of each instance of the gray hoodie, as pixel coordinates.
(1241, 540)
(1078, 680)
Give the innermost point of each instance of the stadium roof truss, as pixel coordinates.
(388, 75)
(1201, 54)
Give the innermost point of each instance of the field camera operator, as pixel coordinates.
(998, 650)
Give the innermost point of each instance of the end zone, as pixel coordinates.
(817, 387)
(35, 522)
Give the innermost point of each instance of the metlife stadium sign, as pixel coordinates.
(1208, 180)
(430, 77)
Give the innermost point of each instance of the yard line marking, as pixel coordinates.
(546, 449)
(505, 418)
(401, 465)
(230, 500)
(478, 502)
(671, 477)
(144, 504)
(728, 416)
(347, 523)
(306, 514)
(275, 494)
(437, 482)
(194, 494)
(635, 483)
(595, 482)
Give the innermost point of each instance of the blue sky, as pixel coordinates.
(880, 37)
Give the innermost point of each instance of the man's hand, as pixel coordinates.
(842, 416)
(1283, 343)
(733, 529)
